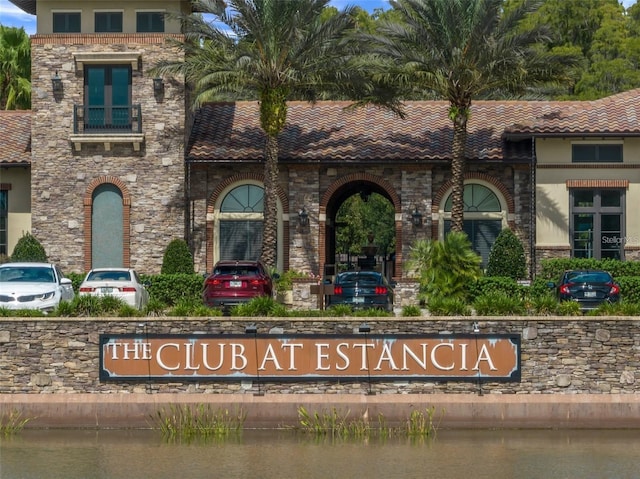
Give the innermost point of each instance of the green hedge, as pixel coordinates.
(552, 269)
(173, 288)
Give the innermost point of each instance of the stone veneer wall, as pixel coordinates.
(62, 177)
(559, 355)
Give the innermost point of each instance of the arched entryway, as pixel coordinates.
(363, 184)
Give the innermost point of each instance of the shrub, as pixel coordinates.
(177, 258)
(444, 268)
(499, 284)
(507, 257)
(411, 310)
(171, 288)
(441, 306)
(568, 308)
(28, 248)
(498, 303)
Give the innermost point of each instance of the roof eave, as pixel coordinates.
(28, 6)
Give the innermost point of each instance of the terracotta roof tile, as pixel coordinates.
(330, 131)
(15, 137)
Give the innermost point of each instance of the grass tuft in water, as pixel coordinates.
(336, 424)
(185, 422)
(12, 423)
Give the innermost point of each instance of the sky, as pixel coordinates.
(12, 16)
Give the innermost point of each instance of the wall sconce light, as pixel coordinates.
(158, 86)
(56, 83)
(364, 328)
(303, 217)
(476, 327)
(253, 329)
(416, 217)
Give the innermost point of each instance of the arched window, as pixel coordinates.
(484, 217)
(107, 227)
(240, 225)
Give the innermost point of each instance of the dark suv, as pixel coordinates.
(236, 282)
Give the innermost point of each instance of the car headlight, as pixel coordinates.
(46, 296)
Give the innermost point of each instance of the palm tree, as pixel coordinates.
(272, 51)
(464, 49)
(15, 69)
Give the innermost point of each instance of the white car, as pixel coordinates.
(33, 286)
(122, 283)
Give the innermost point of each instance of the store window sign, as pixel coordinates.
(310, 357)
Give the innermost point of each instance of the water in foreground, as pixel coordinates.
(267, 454)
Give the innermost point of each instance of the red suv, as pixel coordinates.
(235, 282)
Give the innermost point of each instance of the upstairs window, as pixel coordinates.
(66, 22)
(108, 22)
(147, 22)
(596, 153)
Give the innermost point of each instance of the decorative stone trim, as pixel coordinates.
(126, 219)
(99, 58)
(136, 139)
(597, 184)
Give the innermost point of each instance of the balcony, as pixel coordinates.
(107, 124)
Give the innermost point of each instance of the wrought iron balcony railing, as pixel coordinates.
(107, 119)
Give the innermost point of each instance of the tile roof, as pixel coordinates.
(329, 131)
(15, 137)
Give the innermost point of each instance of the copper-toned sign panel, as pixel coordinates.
(310, 357)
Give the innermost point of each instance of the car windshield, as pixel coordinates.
(109, 276)
(589, 277)
(236, 270)
(362, 279)
(27, 274)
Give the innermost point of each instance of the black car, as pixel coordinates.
(590, 288)
(361, 290)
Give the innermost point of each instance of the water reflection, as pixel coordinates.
(268, 454)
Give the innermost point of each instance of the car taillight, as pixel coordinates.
(86, 290)
(257, 282)
(615, 289)
(337, 290)
(564, 289)
(381, 290)
(214, 282)
(128, 289)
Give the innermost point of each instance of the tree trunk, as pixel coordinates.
(270, 230)
(458, 167)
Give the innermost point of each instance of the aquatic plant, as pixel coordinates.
(185, 422)
(12, 423)
(336, 424)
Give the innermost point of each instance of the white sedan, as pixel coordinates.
(33, 286)
(121, 283)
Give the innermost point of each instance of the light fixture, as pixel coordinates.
(476, 327)
(303, 217)
(416, 217)
(253, 329)
(158, 85)
(366, 329)
(56, 83)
